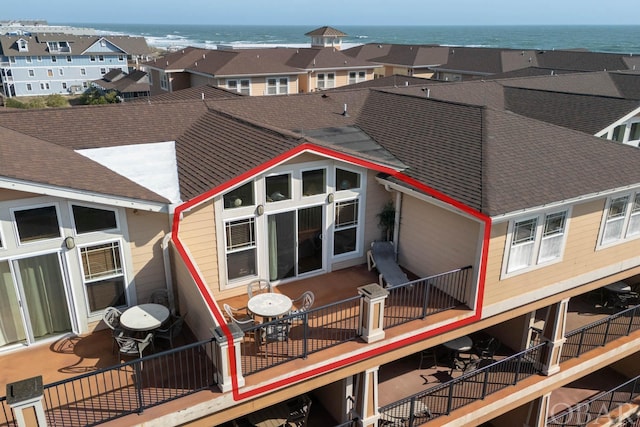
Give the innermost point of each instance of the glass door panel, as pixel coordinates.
(12, 329)
(282, 257)
(310, 253)
(46, 302)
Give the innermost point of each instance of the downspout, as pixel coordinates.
(396, 221)
(166, 260)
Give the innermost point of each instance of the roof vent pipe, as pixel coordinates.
(344, 111)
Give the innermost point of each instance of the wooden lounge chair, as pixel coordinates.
(382, 257)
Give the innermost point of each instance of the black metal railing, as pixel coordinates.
(426, 296)
(468, 388)
(600, 333)
(355, 422)
(7, 418)
(130, 387)
(296, 336)
(598, 406)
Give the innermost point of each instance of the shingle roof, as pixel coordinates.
(586, 113)
(395, 80)
(192, 94)
(33, 160)
(106, 126)
(37, 44)
(326, 31)
(486, 158)
(218, 148)
(414, 56)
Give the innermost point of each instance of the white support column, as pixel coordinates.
(538, 411)
(223, 363)
(372, 311)
(554, 331)
(367, 397)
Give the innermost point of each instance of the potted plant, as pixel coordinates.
(386, 220)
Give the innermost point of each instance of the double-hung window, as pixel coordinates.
(242, 86)
(357, 76)
(164, 81)
(622, 219)
(277, 86)
(326, 80)
(240, 242)
(536, 240)
(103, 275)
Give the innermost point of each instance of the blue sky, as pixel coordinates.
(334, 13)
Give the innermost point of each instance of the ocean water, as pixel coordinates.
(601, 38)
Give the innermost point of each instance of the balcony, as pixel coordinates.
(85, 384)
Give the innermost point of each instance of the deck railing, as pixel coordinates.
(130, 387)
(468, 388)
(426, 296)
(597, 406)
(296, 336)
(600, 333)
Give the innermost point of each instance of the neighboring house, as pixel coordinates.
(258, 72)
(127, 86)
(48, 63)
(463, 63)
(500, 218)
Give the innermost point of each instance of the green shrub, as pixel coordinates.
(56, 100)
(14, 103)
(37, 103)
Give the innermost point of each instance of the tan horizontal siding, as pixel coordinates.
(580, 256)
(146, 231)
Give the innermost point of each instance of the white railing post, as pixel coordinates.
(25, 396)
(372, 311)
(223, 362)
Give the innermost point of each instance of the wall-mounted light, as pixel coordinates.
(330, 198)
(260, 209)
(69, 243)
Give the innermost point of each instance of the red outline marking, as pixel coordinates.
(237, 395)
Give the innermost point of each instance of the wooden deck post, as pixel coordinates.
(372, 311)
(367, 397)
(223, 364)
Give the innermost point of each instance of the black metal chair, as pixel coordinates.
(486, 349)
(299, 409)
(170, 332)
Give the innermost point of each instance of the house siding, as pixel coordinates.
(434, 240)
(581, 261)
(146, 231)
(197, 230)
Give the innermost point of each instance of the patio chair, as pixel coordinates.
(382, 257)
(111, 318)
(159, 296)
(299, 409)
(258, 286)
(242, 318)
(303, 302)
(170, 332)
(486, 349)
(130, 346)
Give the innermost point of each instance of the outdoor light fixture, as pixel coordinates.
(69, 243)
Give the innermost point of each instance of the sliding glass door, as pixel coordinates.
(33, 298)
(295, 243)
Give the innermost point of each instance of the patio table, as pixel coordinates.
(461, 344)
(270, 305)
(144, 317)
